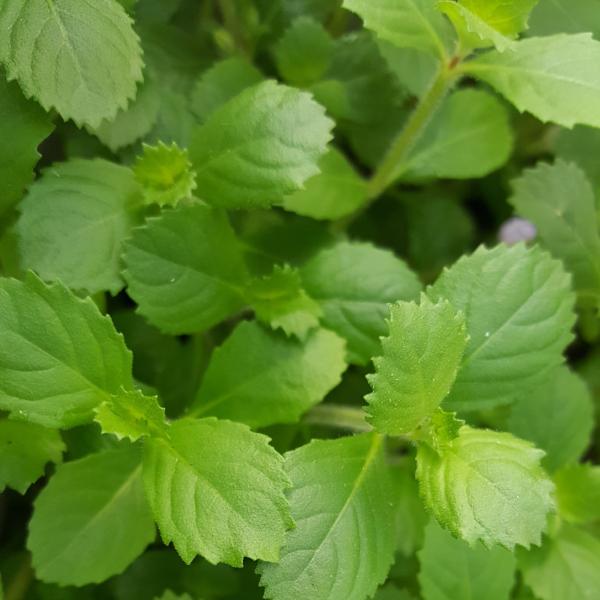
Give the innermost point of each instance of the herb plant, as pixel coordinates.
(258, 335)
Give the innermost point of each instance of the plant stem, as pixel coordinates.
(410, 135)
(389, 169)
(338, 416)
(20, 582)
(232, 24)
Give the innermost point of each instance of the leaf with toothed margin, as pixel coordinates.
(260, 146)
(185, 269)
(518, 305)
(555, 78)
(217, 490)
(343, 502)
(419, 361)
(79, 57)
(59, 356)
(354, 282)
(488, 486)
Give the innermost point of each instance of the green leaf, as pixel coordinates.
(135, 121)
(216, 489)
(354, 282)
(578, 493)
(565, 16)
(131, 414)
(519, 310)
(185, 269)
(165, 174)
(405, 23)
(337, 549)
(469, 137)
(581, 145)
(474, 29)
(557, 416)
(260, 146)
(559, 200)
(453, 570)
(23, 126)
(25, 449)
(338, 190)
(73, 222)
(275, 382)
(222, 82)
(418, 365)
(487, 486)
(169, 595)
(59, 357)
(304, 52)
(278, 299)
(91, 520)
(81, 58)
(566, 567)
(555, 78)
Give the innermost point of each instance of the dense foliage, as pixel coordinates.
(299, 299)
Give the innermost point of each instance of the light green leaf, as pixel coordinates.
(453, 570)
(260, 146)
(555, 78)
(73, 222)
(23, 125)
(418, 365)
(338, 190)
(25, 449)
(279, 300)
(165, 174)
(508, 17)
(185, 269)
(81, 58)
(487, 486)
(261, 377)
(134, 122)
(216, 489)
(474, 29)
(566, 16)
(304, 52)
(92, 520)
(578, 493)
(222, 82)
(59, 357)
(354, 282)
(566, 567)
(131, 414)
(560, 202)
(469, 137)
(519, 310)
(337, 549)
(405, 23)
(557, 416)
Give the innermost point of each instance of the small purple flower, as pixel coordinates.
(517, 230)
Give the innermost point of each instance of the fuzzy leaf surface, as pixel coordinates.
(59, 356)
(519, 310)
(354, 282)
(487, 486)
(73, 223)
(260, 146)
(418, 365)
(81, 58)
(185, 269)
(217, 489)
